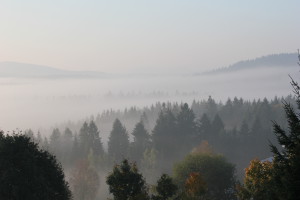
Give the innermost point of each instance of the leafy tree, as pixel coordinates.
(218, 174)
(203, 148)
(258, 182)
(165, 188)
(118, 143)
(195, 186)
(287, 161)
(27, 172)
(126, 183)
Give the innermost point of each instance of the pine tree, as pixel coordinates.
(118, 143)
(287, 160)
(55, 143)
(141, 141)
(67, 141)
(90, 139)
(186, 130)
(96, 143)
(163, 137)
(204, 127)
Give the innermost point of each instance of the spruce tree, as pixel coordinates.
(186, 130)
(205, 127)
(163, 137)
(141, 141)
(287, 160)
(118, 142)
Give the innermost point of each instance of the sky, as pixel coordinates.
(142, 36)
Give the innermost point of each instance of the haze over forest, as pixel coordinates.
(149, 100)
(52, 96)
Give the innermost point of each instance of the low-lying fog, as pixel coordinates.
(43, 103)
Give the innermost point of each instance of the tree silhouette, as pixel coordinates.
(118, 142)
(287, 160)
(125, 182)
(27, 172)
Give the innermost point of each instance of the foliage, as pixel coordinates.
(165, 188)
(258, 182)
(287, 160)
(125, 182)
(195, 186)
(203, 147)
(217, 173)
(27, 172)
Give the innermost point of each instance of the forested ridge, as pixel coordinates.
(159, 136)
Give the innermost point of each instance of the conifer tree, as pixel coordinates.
(186, 130)
(141, 141)
(287, 160)
(55, 143)
(118, 142)
(163, 136)
(204, 127)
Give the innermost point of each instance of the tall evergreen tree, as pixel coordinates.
(217, 126)
(141, 141)
(90, 140)
(55, 143)
(67, 142)
(163, 137)
(244, 130)
(186, 129)
(118, 143)
(84, 143)
(287, 160)
(204, 127)
(95, 139)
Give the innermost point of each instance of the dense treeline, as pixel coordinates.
(164, 134)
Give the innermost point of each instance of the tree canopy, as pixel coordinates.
(27, 172)
(125, 182)
(218, 174)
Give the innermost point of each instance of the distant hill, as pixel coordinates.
(282, 60)
(24, 70)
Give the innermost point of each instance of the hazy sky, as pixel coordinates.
(145, 36)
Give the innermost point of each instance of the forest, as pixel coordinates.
(165, 141)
